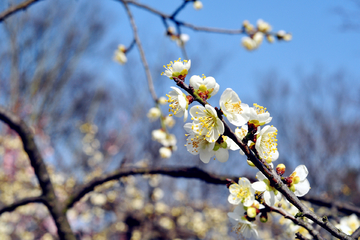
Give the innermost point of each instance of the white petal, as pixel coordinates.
(211, 109)
(232, 145)
(206, 155)
(233, 200)
(259, 186)
(209, 82)
(260, 176)
(185, 115)
(302, 188)
(196, 81)
(222, 154)
(178, 66)
(301, 171)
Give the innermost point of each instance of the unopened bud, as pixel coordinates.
(263, 217)
(270, 38)
(296, 180)
(251, 212)
(292, 188)
(163, 101)
(250, 163)
(198, 5)
(287, 37)
(280, 169)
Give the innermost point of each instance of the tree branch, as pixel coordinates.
(141, 50)
(12, 207)
(185, 172)
(270, 173)
(297, 221)
(11, 10)
(356, 234)
(41, 173)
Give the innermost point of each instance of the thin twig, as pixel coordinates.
(12, 207)
(301, 237)
(185, 24)
(11, 10)
(142, 54)
(186, 172)
(53, 204)
(297, 221)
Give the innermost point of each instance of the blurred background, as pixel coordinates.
(89, 112)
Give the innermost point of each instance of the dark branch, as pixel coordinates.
(193, 172)
(41, 173)
(12, 207)
(11, 10)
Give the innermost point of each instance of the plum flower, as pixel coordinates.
(297, 181)
(204, 87)
(270, 194)
(206, 122)
(242, 192)
(197, 144)
(120, 55)
(178, 103)
(177, 68)
(349, 224)
(241, 224)
(266, 143)
(259, 116)
(235, 111)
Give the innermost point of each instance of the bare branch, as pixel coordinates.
(340, 206)
(356, 234)
(186, 172)
(142, 54)
(11, 10)
(188, 25)
(12, 207)
(297, 221)
(41, 173)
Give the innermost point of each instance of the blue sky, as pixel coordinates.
(318, 40)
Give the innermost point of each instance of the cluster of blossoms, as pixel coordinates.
(206, 138)
(256, 34)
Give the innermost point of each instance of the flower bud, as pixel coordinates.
(163, 100)
(251, 212)
(250, 163)
(296, 180)
(270, 38)
(287, 37)
(154, 113)
(280, 169)
(198, 5)
(263, 217)
(165, 152)
(292, 188)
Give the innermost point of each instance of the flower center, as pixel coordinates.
(259, 109)
(269, 143)
(174, 105)
(234, 107)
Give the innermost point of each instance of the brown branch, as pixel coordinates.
(142, 54)
(12, 207)
(185, 24)
(301, 237)
(11, 10)
(356, 234)
(48, 193)
(346, 208)
(297, 221)
(185, 172)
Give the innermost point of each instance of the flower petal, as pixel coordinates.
(302, 188)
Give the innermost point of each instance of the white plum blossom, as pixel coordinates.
(266, 143)
(249, 43)
(177, 68)
(178, 103)
(197, 144)
(154, 113)
(241, 224)
(258, 38)
(242, 192)
(158, 135)
(206, 122)
(182, 39)
(263, 26)
(259, 116)
(169, 121)
(204, 87)
(270, 194)
(235, 111)
(299, 184)
(119, 55)
(165, 152)
(198, 5)
(162, 100)
(349, 224)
